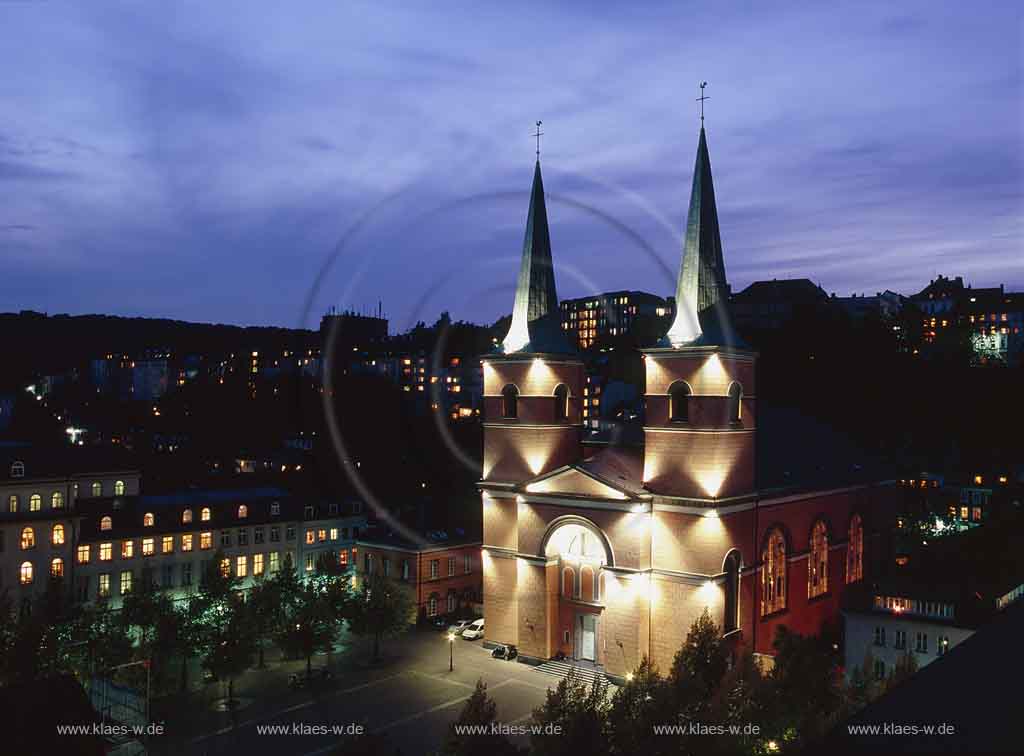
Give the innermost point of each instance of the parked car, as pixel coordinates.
(508, 653)
(440, 622)
(474, 631)
(302, 680)
(459, 626)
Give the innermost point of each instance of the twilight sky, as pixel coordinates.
(230, 161)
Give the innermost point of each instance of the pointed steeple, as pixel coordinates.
(702, 271)
(535, 312)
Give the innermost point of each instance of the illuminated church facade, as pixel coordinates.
(609, 553)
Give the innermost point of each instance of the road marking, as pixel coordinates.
(441, 678)
(432, 709)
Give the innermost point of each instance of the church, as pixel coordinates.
(608, 553)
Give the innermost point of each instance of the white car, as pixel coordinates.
(459, 626)
(474, 631)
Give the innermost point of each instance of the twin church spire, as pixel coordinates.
(536, 326)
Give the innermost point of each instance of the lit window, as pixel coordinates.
(147, 547)
(257, 564)
(83, 554)
(148, 520)
(106, 551)
(26, 573)
(309, 563)
(106, 523)
(186, 516)
(57, 535)
(97, 488)
(118, 488)
(321, 535)
(127, 549)
(817, 562)
(855, 550)
(334, 534)
(167, 545)
(12, 503)
(225, 567)
(126, 583)
(773, 573)
(243, 511)
(35, 503)
(310, 537)
(204, 514)
(57, 567)
(104, 588)
(28, 539)
(432, 607)
(274, 561)
(57, 500)
(205, 541)
(242, 566)
(679, 402)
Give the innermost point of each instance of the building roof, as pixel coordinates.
(791, 291)
(61, 461)
(536, 324)
(702, 282)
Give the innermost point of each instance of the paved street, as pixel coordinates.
(411, 698)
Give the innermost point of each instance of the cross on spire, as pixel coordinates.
(701, 101)
(538, 134)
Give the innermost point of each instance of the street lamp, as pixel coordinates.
(451, 652)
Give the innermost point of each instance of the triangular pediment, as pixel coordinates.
(573, 481)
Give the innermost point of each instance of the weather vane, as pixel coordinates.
(701, 101)
(538, 134)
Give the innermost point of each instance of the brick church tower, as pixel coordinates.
(532, 415)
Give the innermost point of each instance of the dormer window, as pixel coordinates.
(275, 508)
(148, 520)
(119, 488)
(18, 470)
(186, 516)
(106, 523)
(243, 511)
(204, 514)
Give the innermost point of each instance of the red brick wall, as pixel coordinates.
(419, 572)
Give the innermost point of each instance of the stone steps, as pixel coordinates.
(562, 669)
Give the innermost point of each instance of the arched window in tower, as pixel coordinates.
(510, 401)
(561, 402)
(679, 402)
(817, 561)
(773, 573)
(733, 562)
(855, 550)
(735, 402)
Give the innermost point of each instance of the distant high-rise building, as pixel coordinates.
(613, 313)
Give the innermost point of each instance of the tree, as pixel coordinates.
(644, 701)
(267, 614)
(572, 719)
(480, 711)
(699, 664)
(229, 643)
(306, 626)
(905, 667)
(381, 608)
(143, 607)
